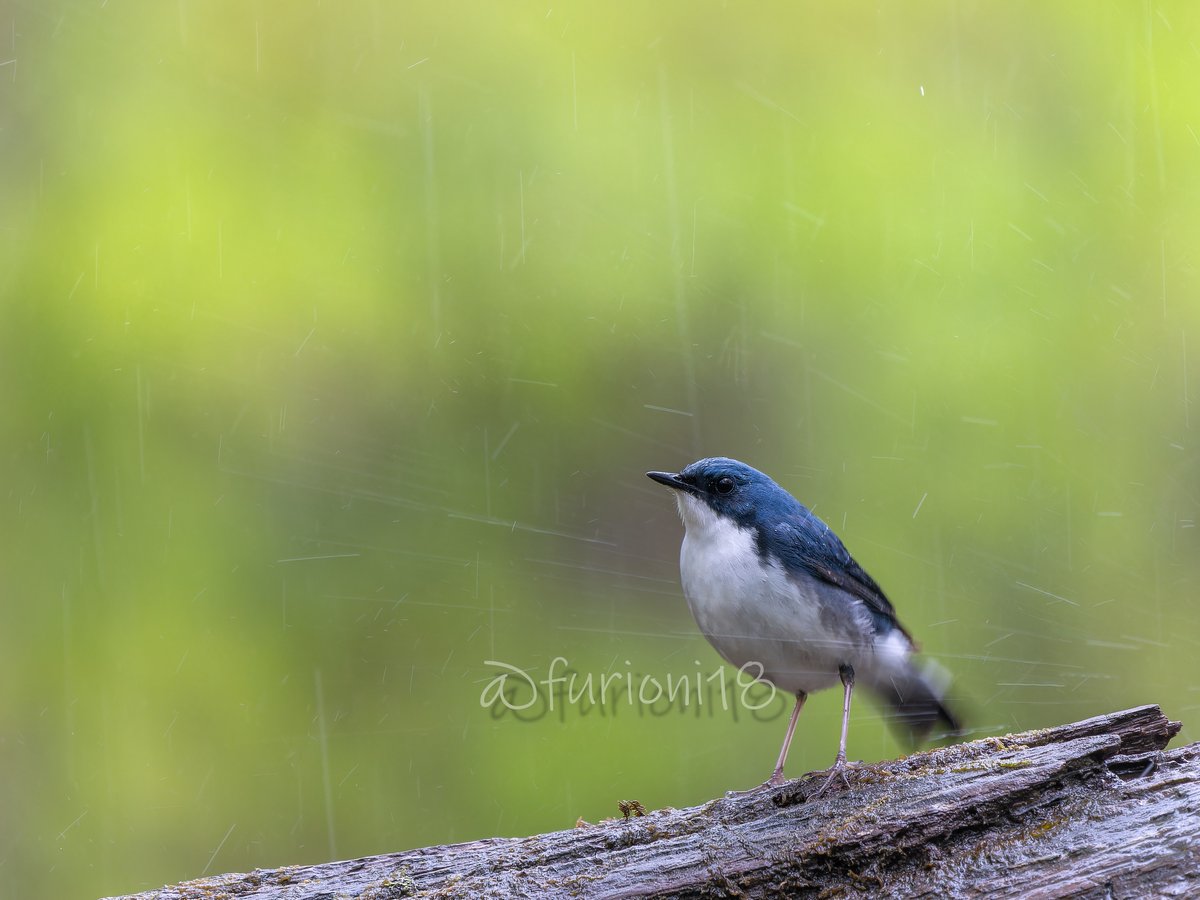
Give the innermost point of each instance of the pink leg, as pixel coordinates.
(838, 770)
(777, 776)
(848, 684)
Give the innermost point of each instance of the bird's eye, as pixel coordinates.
(725, 485)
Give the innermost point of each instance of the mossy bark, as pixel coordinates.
(1096, 808)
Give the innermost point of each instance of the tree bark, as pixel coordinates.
(1091, 809)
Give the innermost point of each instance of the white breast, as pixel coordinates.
(754, 612)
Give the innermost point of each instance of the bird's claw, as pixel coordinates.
(840, 769)
(837, 771)
(777, 779)
(733, 795)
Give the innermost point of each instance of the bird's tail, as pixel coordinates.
(915, 698)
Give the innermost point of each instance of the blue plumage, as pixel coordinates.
(770, 583)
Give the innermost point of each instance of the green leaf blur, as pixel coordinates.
(336, 339)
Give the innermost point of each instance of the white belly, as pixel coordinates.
(755, 613)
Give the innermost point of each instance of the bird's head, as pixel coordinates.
(724, 488)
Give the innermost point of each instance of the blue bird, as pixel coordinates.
(770, 583)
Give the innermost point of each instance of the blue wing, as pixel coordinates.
(803, 543)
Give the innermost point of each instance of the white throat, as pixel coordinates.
(698, 517)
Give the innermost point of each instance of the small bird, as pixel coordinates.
(770, 583)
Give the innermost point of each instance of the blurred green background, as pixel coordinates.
(336, 339)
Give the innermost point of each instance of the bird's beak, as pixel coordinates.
(671, 480)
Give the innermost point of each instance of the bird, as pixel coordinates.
(770, 585)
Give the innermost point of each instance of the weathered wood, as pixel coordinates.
(1091, 809)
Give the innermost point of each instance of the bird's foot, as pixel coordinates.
(837, 772)
(732, 795)
(774, 781)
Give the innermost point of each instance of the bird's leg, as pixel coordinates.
(838, 770)
(777, 776)
(847, 674)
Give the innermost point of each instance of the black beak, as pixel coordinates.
(671, 480)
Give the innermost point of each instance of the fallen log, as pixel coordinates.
(1096, 808)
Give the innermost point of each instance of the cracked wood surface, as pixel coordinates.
(1095, 808)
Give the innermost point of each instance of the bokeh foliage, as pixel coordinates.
(336, 338)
